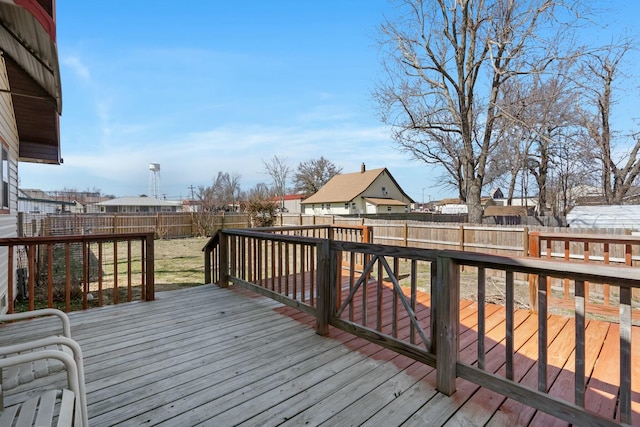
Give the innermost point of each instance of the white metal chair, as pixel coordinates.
(37, 358)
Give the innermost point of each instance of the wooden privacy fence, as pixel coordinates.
(70, 272)
(164, 225)
(408, 300)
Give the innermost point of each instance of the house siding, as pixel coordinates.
(9, 139)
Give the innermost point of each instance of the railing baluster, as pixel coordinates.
(295, 271)
(352, 275)
(379, 298)
(287, 270)
(414, 297)
(129, 290)
(625, 354)
(580, 343)
(49, 275)
(32, 278)
(481, 315)
(10, 296)
(510, 324)
(67, 269)
(542, 334)
(85, 273)
(115, 272)
(100, 276)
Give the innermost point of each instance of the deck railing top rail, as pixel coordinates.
(37, 240)
(579, 237)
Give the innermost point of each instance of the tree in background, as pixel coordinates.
(617, 153)
(261, 207)
(447, 63)
(223, 195)
(537, 118)
(313, 174)
(278, 170)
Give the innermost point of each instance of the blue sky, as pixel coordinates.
(207, 86)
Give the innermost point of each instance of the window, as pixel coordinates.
(346, 206)
(5, 178)
(388, 208)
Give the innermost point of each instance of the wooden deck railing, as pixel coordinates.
(79, 271)
(379, 300)
(592, 249)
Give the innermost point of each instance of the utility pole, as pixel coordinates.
(191, 187)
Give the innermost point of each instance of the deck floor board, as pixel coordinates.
(217, 357)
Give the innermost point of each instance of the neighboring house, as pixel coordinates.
(292, 202)
(364, 192)
(30, 105)
(37, 202)
(138, 204)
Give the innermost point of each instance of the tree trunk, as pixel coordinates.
(474, 203)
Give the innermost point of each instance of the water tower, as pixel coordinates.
(154, 180)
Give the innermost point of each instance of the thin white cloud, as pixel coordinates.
(77, 66)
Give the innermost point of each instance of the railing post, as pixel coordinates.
(207, 265)
(326, 276)
(150, 279)
(223, 253)
(447, 324)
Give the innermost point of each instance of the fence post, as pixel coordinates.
(447, 324)
(149, 242)
(326, 274)
(405, 237)
(461, 237)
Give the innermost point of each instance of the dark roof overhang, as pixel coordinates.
(27, 41)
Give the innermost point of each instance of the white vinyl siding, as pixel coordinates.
(9, 141)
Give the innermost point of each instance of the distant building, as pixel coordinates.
(613, 216)
(455, 206)
(140, 204)
(364, 192)
(292, 202)
(37, 202)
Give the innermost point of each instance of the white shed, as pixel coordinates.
(614, 216)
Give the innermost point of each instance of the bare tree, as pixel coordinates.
(221, 194)
(313, 174)
(537, 117)
(260, 206)
(447, 63)
(618, 153)
(278, 170)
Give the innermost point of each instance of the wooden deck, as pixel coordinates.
(218, 357)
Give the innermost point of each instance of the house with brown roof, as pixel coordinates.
(364, 192)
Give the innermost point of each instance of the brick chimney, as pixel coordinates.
(363, 168)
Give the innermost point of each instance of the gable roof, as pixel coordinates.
(347, 186)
